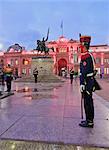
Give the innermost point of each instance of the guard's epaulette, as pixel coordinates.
(83, 57)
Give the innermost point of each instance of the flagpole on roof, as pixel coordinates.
(62, 26)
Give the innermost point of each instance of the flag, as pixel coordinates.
(62, 27)
(61, 24)
(79, 34)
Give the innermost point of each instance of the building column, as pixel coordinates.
(102, 58)
(102, 64)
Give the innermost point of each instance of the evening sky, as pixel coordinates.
(25, 21)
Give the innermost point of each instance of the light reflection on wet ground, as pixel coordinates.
(47, 112)
(40, 93)
(40, 96)
(21, 145)
(27, 89)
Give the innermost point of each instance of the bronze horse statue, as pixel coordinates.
(41, 46)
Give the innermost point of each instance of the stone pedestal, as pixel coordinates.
(44, 65)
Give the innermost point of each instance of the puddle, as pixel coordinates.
(24, 90)
(42, 88)
(41, 96)
(33, 90)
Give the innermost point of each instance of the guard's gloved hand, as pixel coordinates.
(82, 88)
(95, 72)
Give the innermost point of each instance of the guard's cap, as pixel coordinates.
(85, 40)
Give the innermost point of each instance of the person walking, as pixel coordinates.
(35, 73)
(87, 81)
(71, 75)
(8, 72)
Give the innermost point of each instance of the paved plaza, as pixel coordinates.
(45, 116)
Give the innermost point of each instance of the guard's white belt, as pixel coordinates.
(89, 74)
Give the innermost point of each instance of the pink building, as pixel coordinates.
(66, 55)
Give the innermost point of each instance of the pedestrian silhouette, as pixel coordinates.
(35, 73)
(71, 75)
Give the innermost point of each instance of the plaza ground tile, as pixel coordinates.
(33, 110)
(97, 136)
(75, 112)
(6, 121)
(72, 112)
(36, 129)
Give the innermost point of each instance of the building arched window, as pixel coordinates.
(24, 71)
(16, 62)
(25, 62)
(75, 58)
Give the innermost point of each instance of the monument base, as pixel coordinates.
(44, 66)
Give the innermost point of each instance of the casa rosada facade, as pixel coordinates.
(66, 55)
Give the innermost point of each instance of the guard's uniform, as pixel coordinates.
(87, 81)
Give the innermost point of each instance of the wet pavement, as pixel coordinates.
(50, 113)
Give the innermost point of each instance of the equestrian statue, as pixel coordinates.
(41, 45)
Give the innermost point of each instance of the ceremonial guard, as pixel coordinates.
(87, 81)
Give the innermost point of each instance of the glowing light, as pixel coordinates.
(26, 89)
(26, 62)
(39, 59)
(1, 46)
(13, 146)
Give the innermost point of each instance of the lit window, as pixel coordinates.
(62, 50)
(98, 70)
(16, 62)
(24, 71)
(25, 62)
(106, 60)
(30, 71)
(105, 70)
(75, 58)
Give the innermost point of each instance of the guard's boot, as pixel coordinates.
(83, 121)
(87, 124)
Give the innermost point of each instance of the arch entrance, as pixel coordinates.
(62, 63)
